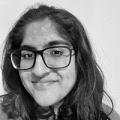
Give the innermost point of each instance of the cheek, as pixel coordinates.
(69, 76)
(23, 75)
(25, 79)
(71, 72)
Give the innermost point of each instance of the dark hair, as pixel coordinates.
(85, 99)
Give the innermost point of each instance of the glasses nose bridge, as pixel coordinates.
(40, 52)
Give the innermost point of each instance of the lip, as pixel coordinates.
(43, 85)
(44, 81)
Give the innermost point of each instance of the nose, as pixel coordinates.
(40, 69)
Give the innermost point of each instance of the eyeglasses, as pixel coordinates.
(54, 57)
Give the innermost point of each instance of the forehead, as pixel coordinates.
(39, 34)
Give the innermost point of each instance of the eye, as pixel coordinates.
(56, 53)
(27, 55)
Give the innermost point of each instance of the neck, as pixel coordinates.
(56, 108)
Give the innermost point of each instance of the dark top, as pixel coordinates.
(113, 116)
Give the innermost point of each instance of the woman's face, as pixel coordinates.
(47, 86)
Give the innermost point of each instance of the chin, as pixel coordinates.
(45, 103)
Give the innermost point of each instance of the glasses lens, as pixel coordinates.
(22, 59)
(57, 57)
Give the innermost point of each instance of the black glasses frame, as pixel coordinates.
(40, 52)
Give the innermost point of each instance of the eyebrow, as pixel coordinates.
(27, 47)
(50, 44)
(60, 42)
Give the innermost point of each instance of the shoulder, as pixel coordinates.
(114, 115)
(3, 116)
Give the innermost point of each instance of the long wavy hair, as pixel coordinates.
(84, 102)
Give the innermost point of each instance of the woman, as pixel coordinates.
(49, 70)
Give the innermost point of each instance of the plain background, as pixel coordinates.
(101, 19)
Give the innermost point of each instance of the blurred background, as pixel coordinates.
(101, 19)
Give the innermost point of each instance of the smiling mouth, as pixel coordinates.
(42, 82)
(43, 85)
